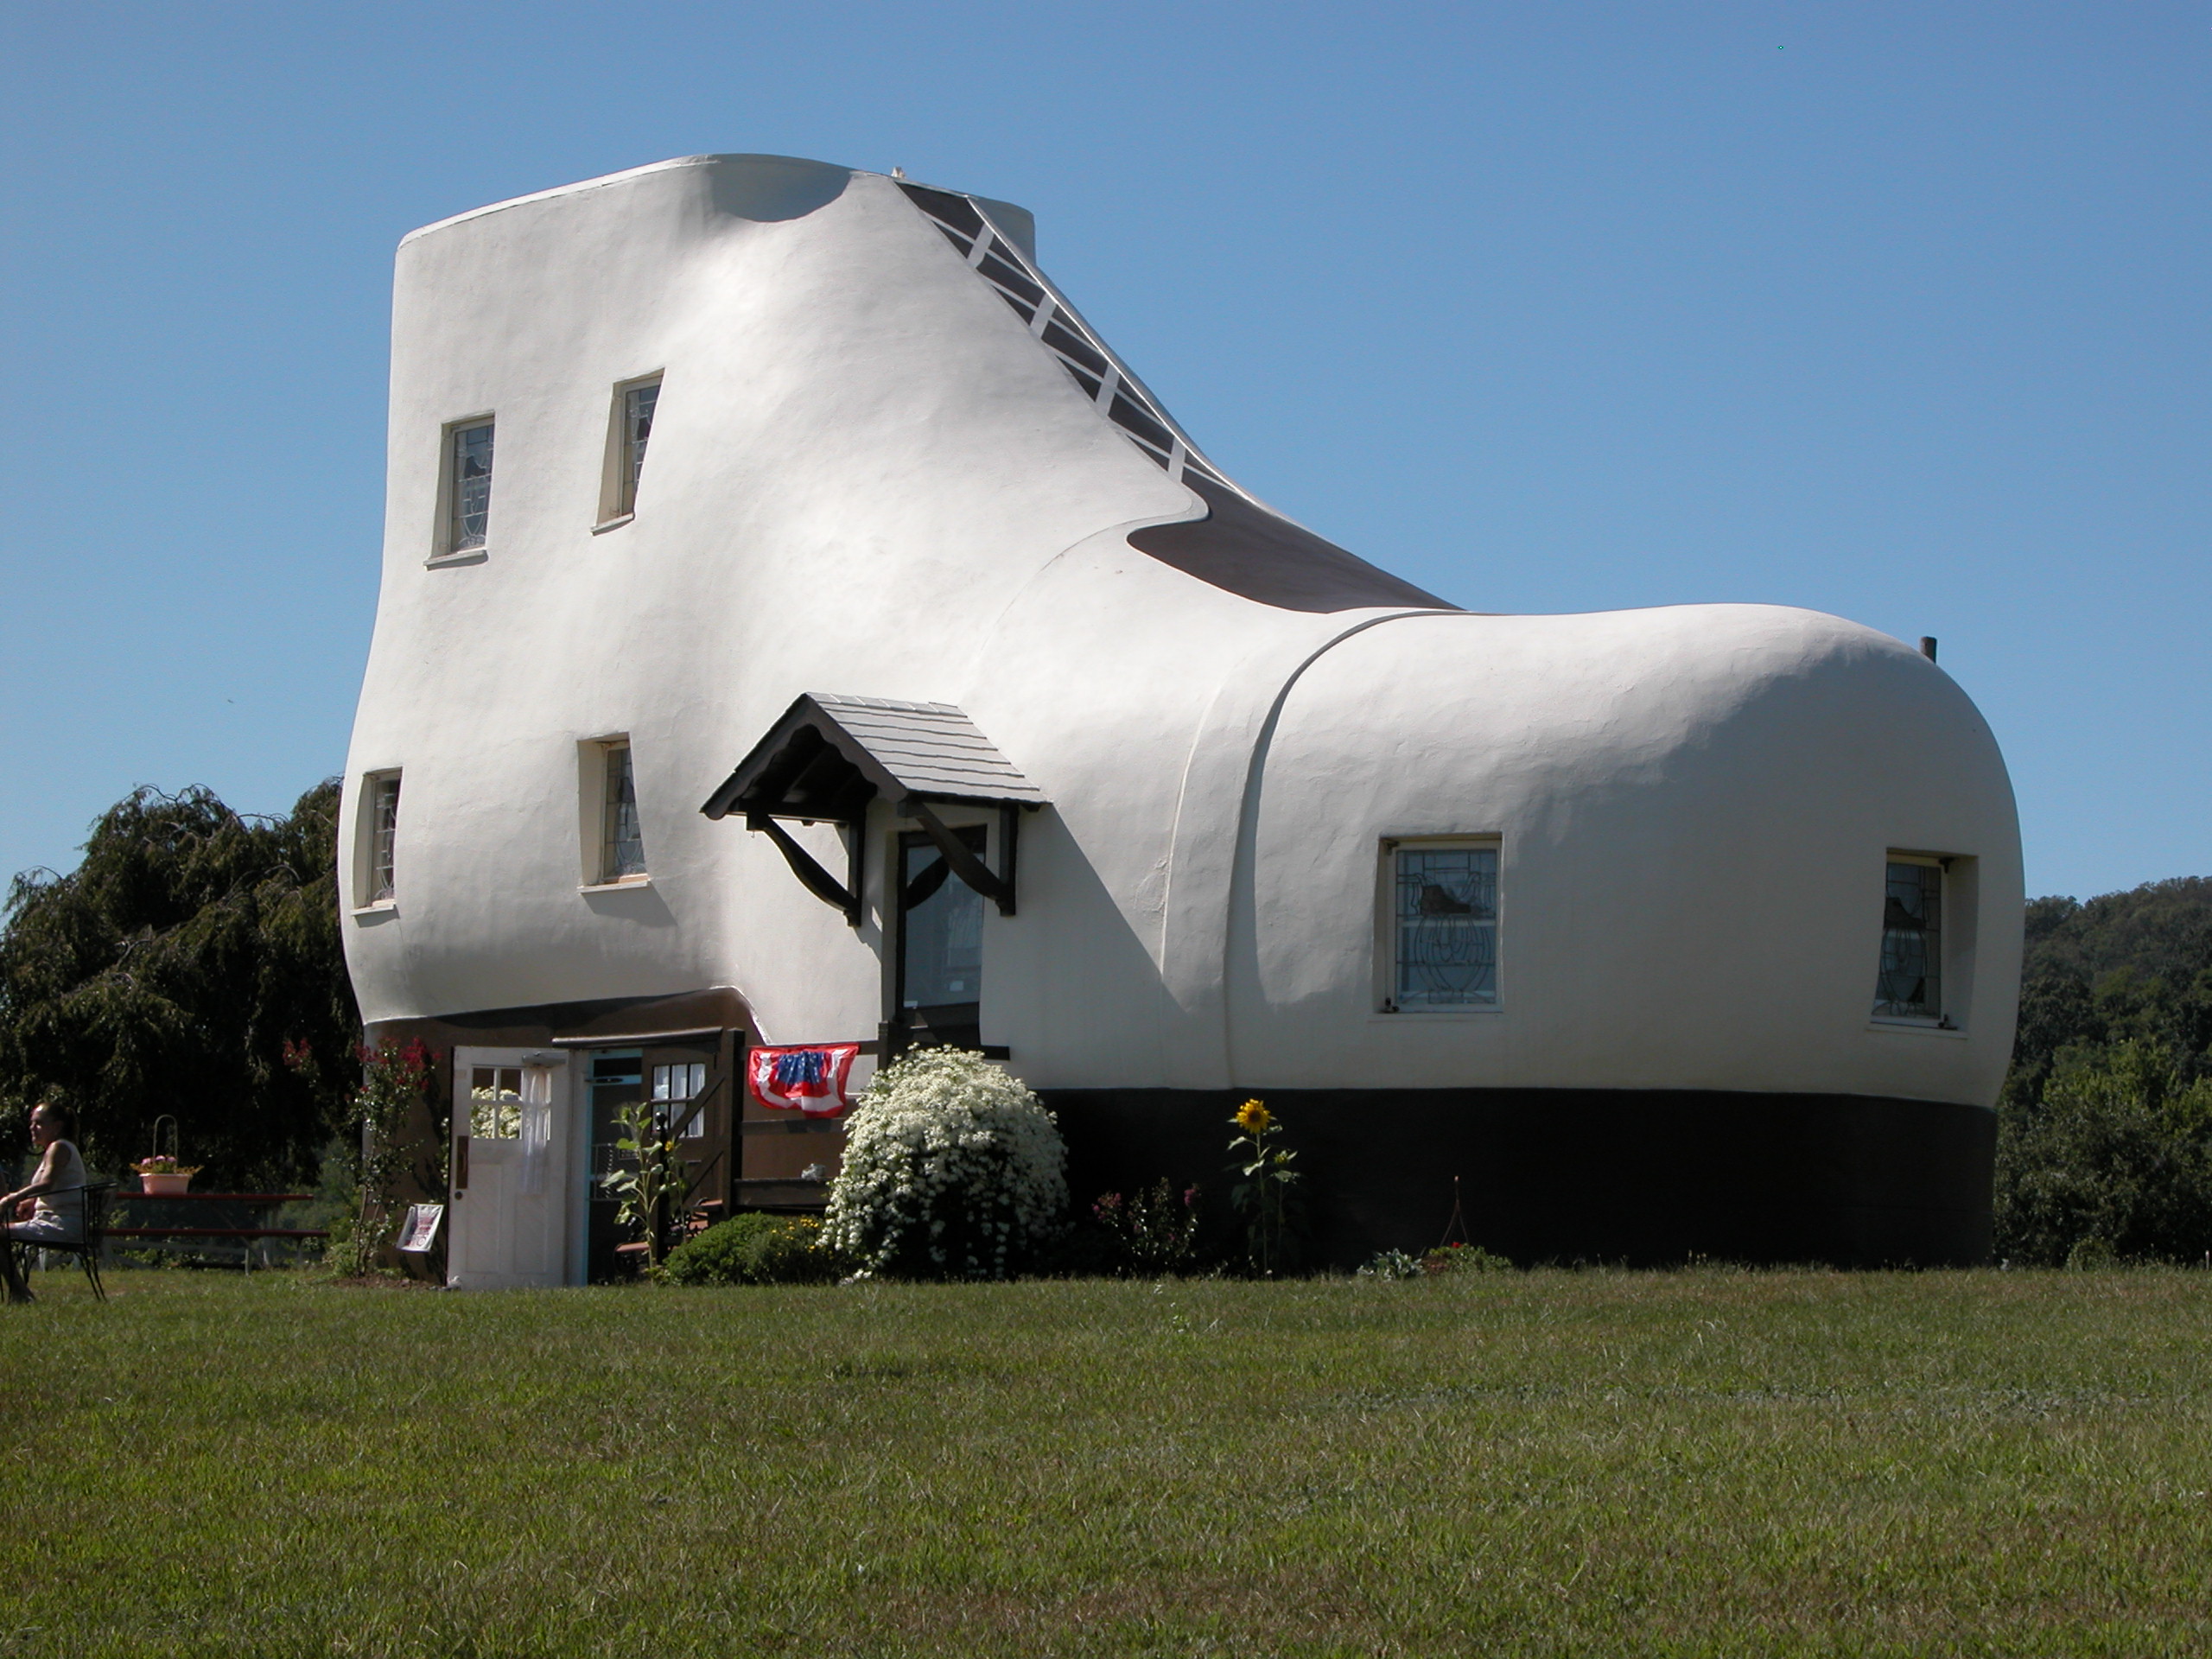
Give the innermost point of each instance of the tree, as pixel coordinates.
(2104, 1125)
(2116, 1159)
(190, 965)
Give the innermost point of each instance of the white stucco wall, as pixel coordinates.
(865, 477)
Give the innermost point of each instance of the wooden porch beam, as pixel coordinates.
(969, 868)
(815, 880)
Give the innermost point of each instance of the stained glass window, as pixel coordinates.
(1446, 915)
(1909, 986)
(622, 844)
(471, 464)
(383, 833)
(638, 405)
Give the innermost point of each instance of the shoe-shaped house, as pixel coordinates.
(798, 626)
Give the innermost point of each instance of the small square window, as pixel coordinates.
(1443, 925)
(468, 486)
(381, 802)
(622, 840)
(1909, 985)
(495, 1103)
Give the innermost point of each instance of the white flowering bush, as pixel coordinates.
(952, 1169)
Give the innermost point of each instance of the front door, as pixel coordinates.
(940, 961)
(690, 1085)
(510, 1170)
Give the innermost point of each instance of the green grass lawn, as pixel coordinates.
(1546, 1463)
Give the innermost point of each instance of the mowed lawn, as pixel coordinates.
(1548, 1463)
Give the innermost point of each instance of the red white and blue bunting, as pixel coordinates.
(808, 1078)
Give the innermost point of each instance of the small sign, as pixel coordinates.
(421, 1226)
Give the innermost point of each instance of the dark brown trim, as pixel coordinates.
(624, 1039)
(1247, 550)
(1642, 1177)
(605, 1022)
(970, 868)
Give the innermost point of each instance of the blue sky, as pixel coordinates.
(1892, 310)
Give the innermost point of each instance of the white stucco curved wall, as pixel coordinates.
(865, 477)
(1693, 805)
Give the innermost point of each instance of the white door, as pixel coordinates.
(511, 1136)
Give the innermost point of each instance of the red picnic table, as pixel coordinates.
(192, 1219)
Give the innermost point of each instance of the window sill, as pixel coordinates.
(467, 556)
(615, 523)
(371, 913)
(1399, 1016)
(1928, 1028)
(627, 884)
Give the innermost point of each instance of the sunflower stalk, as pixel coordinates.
(1264, 1196)
(652, 1186)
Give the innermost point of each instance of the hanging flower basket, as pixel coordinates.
(164, 1177)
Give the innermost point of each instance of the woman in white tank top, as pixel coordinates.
(51, 1208)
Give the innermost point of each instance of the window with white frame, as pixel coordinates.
(1909, 985)
(468, 486)
(673, 1088)
(380, 793)
(622, 840)
(1443, 925)
(494, 1102)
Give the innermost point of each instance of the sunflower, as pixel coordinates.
(1253, 1117)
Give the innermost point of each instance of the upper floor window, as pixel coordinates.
(382, 807)
(637, 431)
(622, 840)
(1910, 983)
(627, 437)
(468, 486)
(1443, 925)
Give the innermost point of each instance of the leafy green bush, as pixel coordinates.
(1391, 1264)
(754, 1249)
(793, 1254)
(2114, 1161)
(1464, 1258)
(1151, 1233)
(2104, 1150)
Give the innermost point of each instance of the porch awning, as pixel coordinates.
(828, 756)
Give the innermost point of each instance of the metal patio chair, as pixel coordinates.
(87, 1246)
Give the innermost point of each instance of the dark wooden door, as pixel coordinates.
(692, 1083)
(939, 973)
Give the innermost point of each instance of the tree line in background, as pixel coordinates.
(191, 966)
(2104, 1147)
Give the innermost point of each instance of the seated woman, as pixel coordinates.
(51, 1208)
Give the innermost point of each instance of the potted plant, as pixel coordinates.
(162, 1177)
